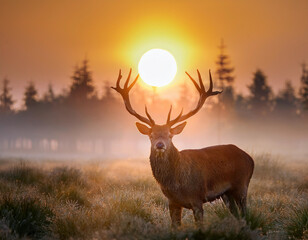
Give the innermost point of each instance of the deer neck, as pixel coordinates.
(165, 166)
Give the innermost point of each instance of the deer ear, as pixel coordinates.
(178, 129)
(143, 129)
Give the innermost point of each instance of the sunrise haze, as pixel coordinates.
(42, 41)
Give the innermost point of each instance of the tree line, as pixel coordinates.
(261, 100)
(81, 113)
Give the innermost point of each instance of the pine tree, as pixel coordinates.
(303, 92)
(224, 71)
(260, 100)
(6, 99)
(30, 96)
(225, 77)
(286, 99)
(82, 86)
(49, 95)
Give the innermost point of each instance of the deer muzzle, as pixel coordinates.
(160, 146)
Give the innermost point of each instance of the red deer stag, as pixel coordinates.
(190, 178)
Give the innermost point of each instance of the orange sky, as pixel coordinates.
(42, 41)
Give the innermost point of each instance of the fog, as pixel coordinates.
(105, 130)
(79, 124)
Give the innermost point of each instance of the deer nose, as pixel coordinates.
(160, 145)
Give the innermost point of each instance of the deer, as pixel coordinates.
(191, 177)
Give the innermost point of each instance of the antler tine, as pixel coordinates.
(194, 82)
(211, 82)
(203, 96)
(180, 115)
(118, 80)
(149, 116)
(117, 87)
(133, 83)
(127, 80)
(210, 90)
(125, 95)
(169, 114)
(200, 82)
(174, 121)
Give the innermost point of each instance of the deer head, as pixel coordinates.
(161, 135)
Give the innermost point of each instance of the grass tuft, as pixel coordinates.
(26, 216)
(73, 194)
(67, 176)
(133, 207)
(23, 174)
(297, 224)
(257, 219)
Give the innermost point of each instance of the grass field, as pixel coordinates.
(121, 200)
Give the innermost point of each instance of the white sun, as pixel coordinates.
(157, 67)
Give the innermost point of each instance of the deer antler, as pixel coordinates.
(203, 96)
(125, 95)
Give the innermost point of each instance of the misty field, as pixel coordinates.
(121, 200)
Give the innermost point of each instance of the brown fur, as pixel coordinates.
(190, 178)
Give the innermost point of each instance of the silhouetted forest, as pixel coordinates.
(81, 121)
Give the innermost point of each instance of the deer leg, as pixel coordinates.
(232, 205)
(242, 205)
(226, 200)
(198, 213)
(175, 214)
(240, 199)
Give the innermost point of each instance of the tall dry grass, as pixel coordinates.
(121, 200)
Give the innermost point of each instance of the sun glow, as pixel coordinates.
(157, 67)
(159, 33)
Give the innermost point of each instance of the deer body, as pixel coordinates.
(190, 178)
(202, 175)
